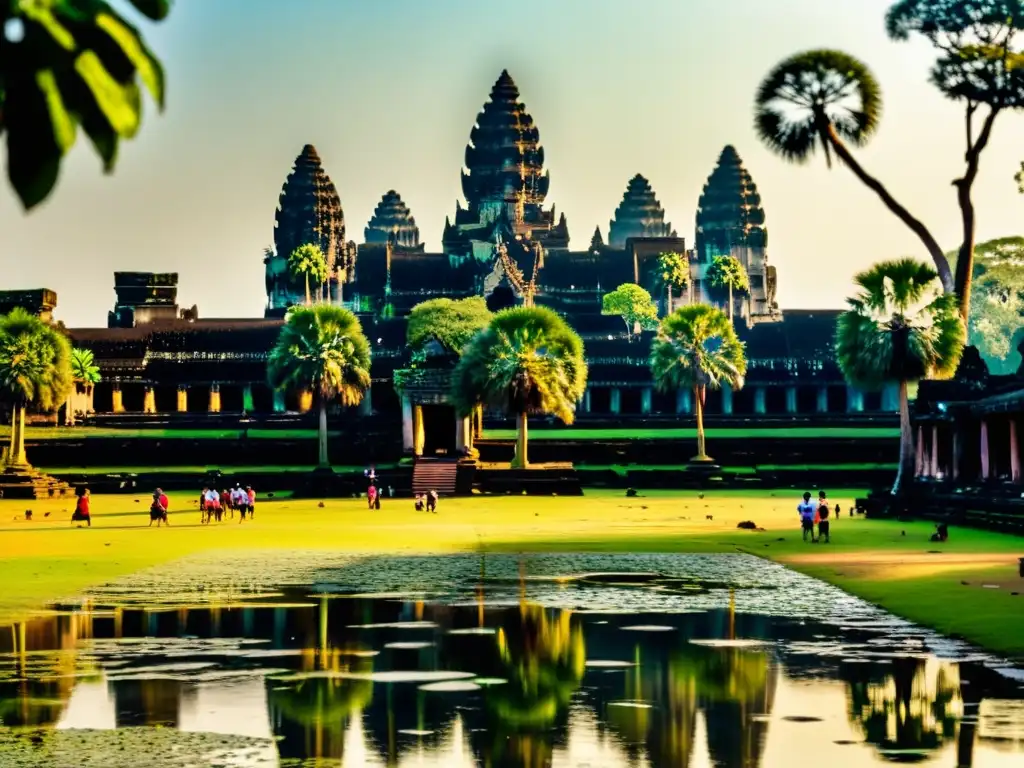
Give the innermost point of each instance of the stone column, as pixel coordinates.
(919, 453)
(214, 406)
(891, 398)
(247, 406)
(645, 401)
(585, 402)
(407, 426)
(854, 400)
(791, 400)
(616, 401)
(148, 400)
(117, 399)
(182, 399)
(822, 399)
(418, 436)
(933, 468)
(278, 401)
(366, 404)
(305, 401)
(1014, 452)
(727, 400)
(954, 470)
(985, 466)
(684, 401)
(759, 400)
(463, 435)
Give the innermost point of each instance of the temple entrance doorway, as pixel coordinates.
(132, 396)
(807, 399)
(630, 400)
(775, 400)
(165, 399)
(438, 430)
(103, 397)
(198, 398)
(600, 400)
(231, 398)
(663, 402)
(837, 399)
(262, 399)
(743, 401)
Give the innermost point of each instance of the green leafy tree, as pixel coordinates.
(980, 64)
(307, 262)
(997, 309)
(84, 373)
(673, 275)
(35, 372)
(633, 304)
(827, 99)
(451, 323)
(321, 349)
(900, 328)
(697, 349)
(527, 361)
(66, 64)
(727, 272)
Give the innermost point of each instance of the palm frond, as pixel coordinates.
(697, 346)
(35, 361)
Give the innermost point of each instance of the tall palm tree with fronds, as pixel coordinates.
(321, 349)
(697, 349)
(900, 328)
(727, 272)
(826, 99)
(673, 275)
(84, 373)
(309, 263)
(35, 372)
(527, 361)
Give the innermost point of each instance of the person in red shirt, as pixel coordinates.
(81, 513)
(158, 509)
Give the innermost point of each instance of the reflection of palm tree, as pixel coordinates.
(912, 709)
(321, 708)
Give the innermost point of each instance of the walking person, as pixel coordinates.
(432, 501)
(807, 510)
(823, 518)
(250, 494)
(81, 513)
(371, 496)
(158, 509)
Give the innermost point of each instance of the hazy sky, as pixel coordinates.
(387, 90)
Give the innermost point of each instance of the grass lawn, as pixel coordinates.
(198, 469)
(49, 558)
(82, 433)
(623, 469)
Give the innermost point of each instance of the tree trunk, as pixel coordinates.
(309, 301)
(478, 421)
(730, 304)
(16, 450)
(69, 415)
(322, 435)
(668, 300)
(965, 257)
(520, 461)
(915, 226)
(698, 408)
(906, 466)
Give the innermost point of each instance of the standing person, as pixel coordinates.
(158, 509)
(226, 503)
(250, 494)
(823, 515)
(432, 501)
(81, 513)
(807, 509)
(241, 500)
(371, 496)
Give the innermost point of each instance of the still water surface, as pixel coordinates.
(523, 662)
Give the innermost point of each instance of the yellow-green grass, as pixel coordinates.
(623, 469)
(49, 558)
(161, 433)
(201, 469)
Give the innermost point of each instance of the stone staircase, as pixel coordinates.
(27, 483)
(435, 474)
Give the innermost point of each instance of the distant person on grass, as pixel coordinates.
(251, 496)
(158, 509)
(807, 510)
(823, 515)
(82, 514)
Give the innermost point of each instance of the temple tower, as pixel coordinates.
(309, 211)
(638, 215)
(392, 222)
(730, 221)
(504, 181)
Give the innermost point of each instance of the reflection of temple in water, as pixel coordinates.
(301, 682)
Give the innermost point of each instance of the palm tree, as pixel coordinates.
(35, 371)
(81, 64)
(528, 360)
(697, 349)
(308, 262)
(900, 328)
(673, 274)
(321, 349)
(828, 98)
(728, 272)
(85, 374)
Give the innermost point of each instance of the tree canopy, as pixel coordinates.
(673, 270)
(697, 346)
(728, 272)
(452, 323)
(308, 263)
(83, 366)
(633, 304)
(65, 65)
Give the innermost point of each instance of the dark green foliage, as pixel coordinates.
(728, 272)
(35, 362)
(78, 63)
(451, 323)
(997, 306)
(528, 360)
(83, 366)
(321, 349)
(697, 347)
(805, 94)
(900, 327)
(633, 304)
(673, 271)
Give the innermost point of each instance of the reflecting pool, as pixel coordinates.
(560, 660)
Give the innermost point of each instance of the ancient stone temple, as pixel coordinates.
(638, 215)
(309, 211)
(730, 222)
(392, 222)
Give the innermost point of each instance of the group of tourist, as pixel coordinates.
(213, 504)
(816, 514)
